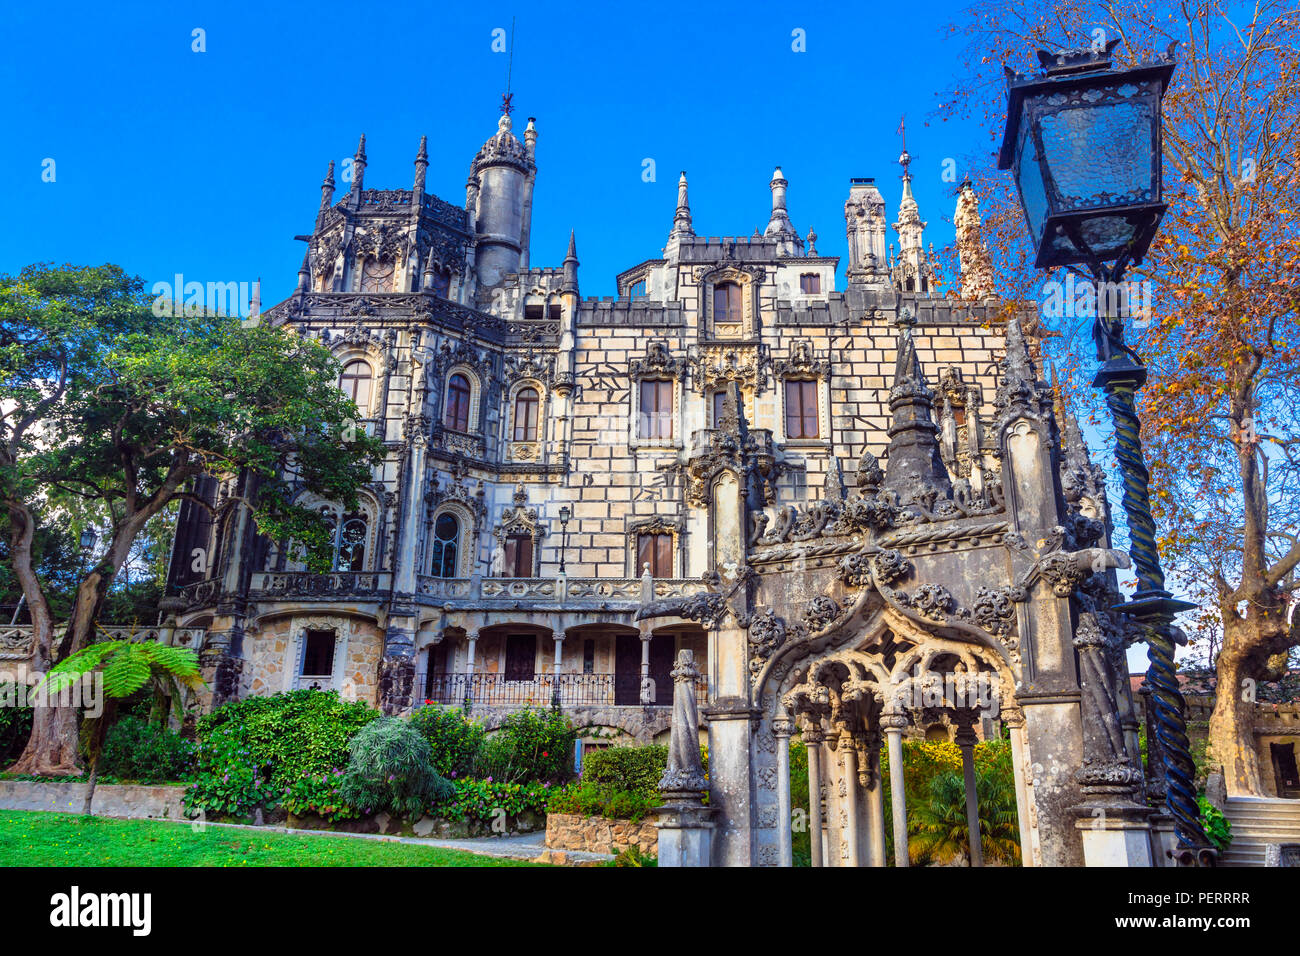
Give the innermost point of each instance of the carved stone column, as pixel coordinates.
(1116, 828)
(875, 803)
(894, 724)
(1014, 718)
(966, 740)
(812, 738)
(685, 825)
(782, 729)
(646, 697)
(850, 800)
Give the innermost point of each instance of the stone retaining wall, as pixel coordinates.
(569, 831)
(111, 800)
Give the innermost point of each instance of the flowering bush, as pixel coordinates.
(532, 745)
(229, 781)
(482, 799)
(454, 739)
(318, 793)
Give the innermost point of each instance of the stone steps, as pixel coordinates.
(1257, 822)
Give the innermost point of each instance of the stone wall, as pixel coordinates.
(569, 831)
(111, 800)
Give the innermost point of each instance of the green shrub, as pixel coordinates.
(230, 782)
(289, 734)
(390, 770)
(633, 856)
(532, 745)
(454, 740)
(602, 800)
(15, 726)
(319, 793)
(136, 749)
(252, 751)
(626, 768)
(479, 800)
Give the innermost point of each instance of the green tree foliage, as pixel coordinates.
(104, 403)
(142, 750)
(532, 745)
(390, 770)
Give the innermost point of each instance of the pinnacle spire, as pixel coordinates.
(914, 468)
(779, 225)
(421, 163)
(682, 218)
(359, 166)
(570, 283)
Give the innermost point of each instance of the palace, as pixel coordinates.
(825, 493)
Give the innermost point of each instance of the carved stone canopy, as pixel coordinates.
(658, 362)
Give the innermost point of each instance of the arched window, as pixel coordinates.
(636, 290)
(526, 403)
(445, 547)
(351, 554)
(356, 381)
(727, 304)
(456, 413)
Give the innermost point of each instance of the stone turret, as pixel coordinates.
(500, 188)
(682, 228)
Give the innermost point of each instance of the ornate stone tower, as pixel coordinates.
(912, 270)
(976, 277)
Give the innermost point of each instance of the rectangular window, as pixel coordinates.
(318, 656)
(518, 561)
(810, 283)
(655, 550)
(589, 656)
(656, 409)
(801, 419)
(521, 654)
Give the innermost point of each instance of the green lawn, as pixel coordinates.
(62, 839)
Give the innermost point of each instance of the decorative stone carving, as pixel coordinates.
(658, 362)
(803, 362)
(820, 612)
(767, 633)
(684, 776)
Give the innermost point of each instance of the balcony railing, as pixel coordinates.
(605, 593)
(575, 690)
(17, 641)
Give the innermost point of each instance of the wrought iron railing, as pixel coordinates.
(539, 690)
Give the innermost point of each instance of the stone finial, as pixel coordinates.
(812, 241)
(684, 776)
(869, 475)
(682, 218)
(421, 163)
(570, 283)
(358, 172)
(304, 272)
(779, 225)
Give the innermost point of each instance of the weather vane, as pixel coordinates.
(506, 108)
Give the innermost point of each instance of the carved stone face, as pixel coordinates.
(377, 276)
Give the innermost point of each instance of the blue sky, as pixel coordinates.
(207, 164)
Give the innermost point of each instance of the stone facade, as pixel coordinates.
(819, 491)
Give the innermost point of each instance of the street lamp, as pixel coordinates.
(565, 514)
(1084, 144)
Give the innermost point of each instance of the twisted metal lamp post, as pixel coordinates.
(1084, 143)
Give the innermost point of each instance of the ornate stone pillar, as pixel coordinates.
(894, 725)
(875, 804)
(1116, 829)
(782, 728)
(559, 657)
(812, 738)
(966, 741)
(685, 825)
(1014, 718)
(646, 697)
(850, 804)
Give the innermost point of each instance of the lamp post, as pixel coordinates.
(565, 514)
(1084, 144)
